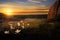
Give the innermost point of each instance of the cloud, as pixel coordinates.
(44, 0)
(27, 3)
(31, 5)
(36, 1)
(22, 5)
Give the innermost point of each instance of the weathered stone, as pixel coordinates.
(54, 12)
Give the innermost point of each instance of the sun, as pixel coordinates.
(8, 12)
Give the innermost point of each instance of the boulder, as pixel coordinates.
(54, 11)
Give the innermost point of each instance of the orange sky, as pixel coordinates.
(24, 7)
(13, 9)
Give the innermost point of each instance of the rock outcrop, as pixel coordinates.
(2, 17)
(54, 12)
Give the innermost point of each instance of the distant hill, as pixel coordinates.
(19, 17)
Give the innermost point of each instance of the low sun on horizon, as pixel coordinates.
(7, 12)
(25, 7)
(11, 11)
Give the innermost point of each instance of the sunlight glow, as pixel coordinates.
(8, 12)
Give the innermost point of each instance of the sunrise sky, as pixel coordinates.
(27, 6)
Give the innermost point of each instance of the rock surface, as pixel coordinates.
(54, 10)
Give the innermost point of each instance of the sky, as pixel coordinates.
(25, 5)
